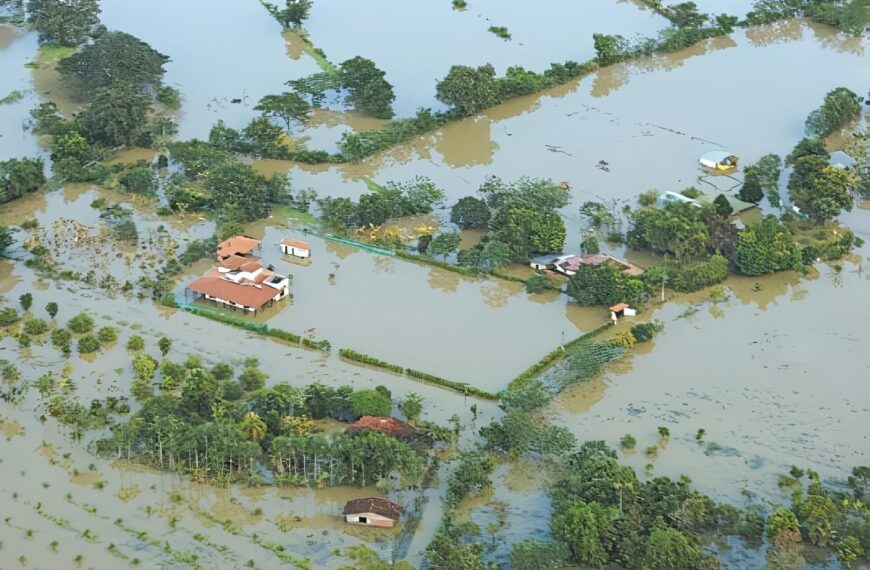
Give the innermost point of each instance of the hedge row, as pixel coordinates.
(321, 345)
(369, 360)
(551, 358)
(355, 356)
(457, 386)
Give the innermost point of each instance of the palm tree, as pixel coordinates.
(252, 427)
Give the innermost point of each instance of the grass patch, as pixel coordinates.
(318, 55)
(50, 54)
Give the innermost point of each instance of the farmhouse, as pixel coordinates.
(295, 247)
(390, 426)
(603, 258)
(372, 511)
(239, 280)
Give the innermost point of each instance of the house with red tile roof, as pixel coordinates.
(387, 425)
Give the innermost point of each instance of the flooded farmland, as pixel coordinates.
(774, 370)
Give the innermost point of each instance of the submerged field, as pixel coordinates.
(772, 368)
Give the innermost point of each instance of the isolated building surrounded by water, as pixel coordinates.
(372, 511)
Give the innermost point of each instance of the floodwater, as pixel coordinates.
(775, 374)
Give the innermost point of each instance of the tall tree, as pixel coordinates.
(20, 176)
(841, 107)
(64, 22)
(293, 13)
(118, 116)
(239, 192)
(116, 58)
(288, 107)
(468, 89)
(470, 212)
(766, 247)
(367, 89)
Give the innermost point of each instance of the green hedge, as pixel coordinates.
(369, 360)
(360, 358)
(551, 358)
(457, 386)
(321, 345)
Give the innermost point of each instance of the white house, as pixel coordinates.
(295, 247)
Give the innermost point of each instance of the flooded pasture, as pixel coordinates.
(775, 374)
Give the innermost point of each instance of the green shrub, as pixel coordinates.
(537, 284)
(107, 335)
(644, 332)
(80, 324)
(8, 316)
(135, 343)
(88, 344)
(699, 275)
(35, 327)
(370, 403)
(627, 442)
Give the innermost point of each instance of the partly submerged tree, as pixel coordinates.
(288, 107)
(467, 89)
(368, 91)
(113, 59)
(64, 22)
(293, 13)
(470, 212)
(841, 107)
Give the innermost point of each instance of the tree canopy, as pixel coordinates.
(467, 89)
(293, 13)
(676, 228)
(19, 177)
(605, 284)
(368, 91)
(767, 247)
(64, 22)
(114, 59)
(841, 107)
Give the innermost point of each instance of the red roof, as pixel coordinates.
(374, 505)
(236, 245)
(388, 425)
(254, 296)
(619, 307)
(236, 261)
(296, 243)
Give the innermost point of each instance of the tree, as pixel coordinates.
(722, 206)
(831, 192)
(26, 301)
(610, 49)
(597, 214)
(241, 194)
(339, 212)
(412, 406)
(751, 190)
(64, 22)
(252, 427)
(528, 231)
(767, 247)
(604, 284)
(468, 90)
(841, 107)
(810, 146)
(534, 555)
(6, 239)
(470, 212)
(448, 552)
(20, 176)
(444, 244)
(677, 228)
(51, 309)
(252, 378)
(164, 344)
(583, 527)
(370, 403)
(139, 180)
(686, 15)
(118, 116)
(780, 521)
(115, 59)
(88, 344)
(294, 12)
(669, 548)
(367, 89)
(288, 107)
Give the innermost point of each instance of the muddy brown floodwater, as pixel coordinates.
(776, 374)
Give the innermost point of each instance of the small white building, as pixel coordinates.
(295, 247)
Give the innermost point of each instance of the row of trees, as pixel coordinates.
(392, 200)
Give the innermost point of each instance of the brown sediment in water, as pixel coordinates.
(11, 428)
